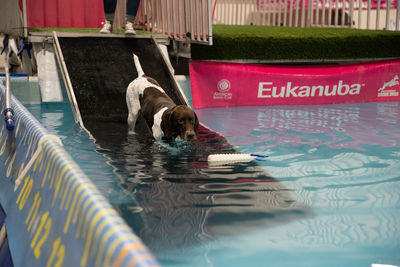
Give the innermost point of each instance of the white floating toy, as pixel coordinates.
(222, 159)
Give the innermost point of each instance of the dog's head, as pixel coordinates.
(180, 121)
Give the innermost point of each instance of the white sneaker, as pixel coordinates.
(106, 27)
(129, 28)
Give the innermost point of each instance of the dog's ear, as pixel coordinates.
(167, 125)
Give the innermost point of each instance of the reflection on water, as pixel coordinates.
(337, 126)
(180, 201)
(328, 194)
(343, 161)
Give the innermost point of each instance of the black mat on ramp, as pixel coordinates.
(101, 68)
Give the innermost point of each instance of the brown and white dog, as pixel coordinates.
(167, 120)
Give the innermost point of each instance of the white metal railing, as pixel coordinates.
(181, 20)
(361, 14)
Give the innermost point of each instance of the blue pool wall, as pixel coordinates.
(54, 214)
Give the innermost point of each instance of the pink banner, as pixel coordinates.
(65, 13)
(216, 84)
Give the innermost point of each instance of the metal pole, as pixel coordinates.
(192, 29)
(8, 90)
(337, 13)
(285, 13)
(210, 38)
(291, 2)
(368, 14)
(8, 112)
(303, 13)
(343, 12)
(398, 16)
(360, 8)
(236, 19)
(269, 12)
(351, 13)
(204, 18)
(378, 13)
(25, 18)
(274, 15)
(197, 21)
(387, 14)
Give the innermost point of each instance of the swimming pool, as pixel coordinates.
(326, 195)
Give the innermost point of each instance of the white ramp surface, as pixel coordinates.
(49, 81)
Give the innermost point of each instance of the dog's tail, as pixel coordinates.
(138, 66)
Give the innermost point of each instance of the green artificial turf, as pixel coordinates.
(284, 43)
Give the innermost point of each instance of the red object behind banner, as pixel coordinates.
(65, 13)
(216, 84)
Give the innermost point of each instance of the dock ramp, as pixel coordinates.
(101, 68)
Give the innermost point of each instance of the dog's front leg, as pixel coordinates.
(133, 105)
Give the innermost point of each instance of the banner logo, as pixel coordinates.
(388, 88)
(223, 87)
(267, 90)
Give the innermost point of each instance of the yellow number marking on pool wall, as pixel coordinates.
(33, 211)
(45, 221)
(57, 252)
(25, 192)
(22, 190)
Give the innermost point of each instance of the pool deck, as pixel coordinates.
(34, 36)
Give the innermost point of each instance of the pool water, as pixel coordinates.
(327, 195)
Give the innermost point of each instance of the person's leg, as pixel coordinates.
(131, 10)
(109, 9)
